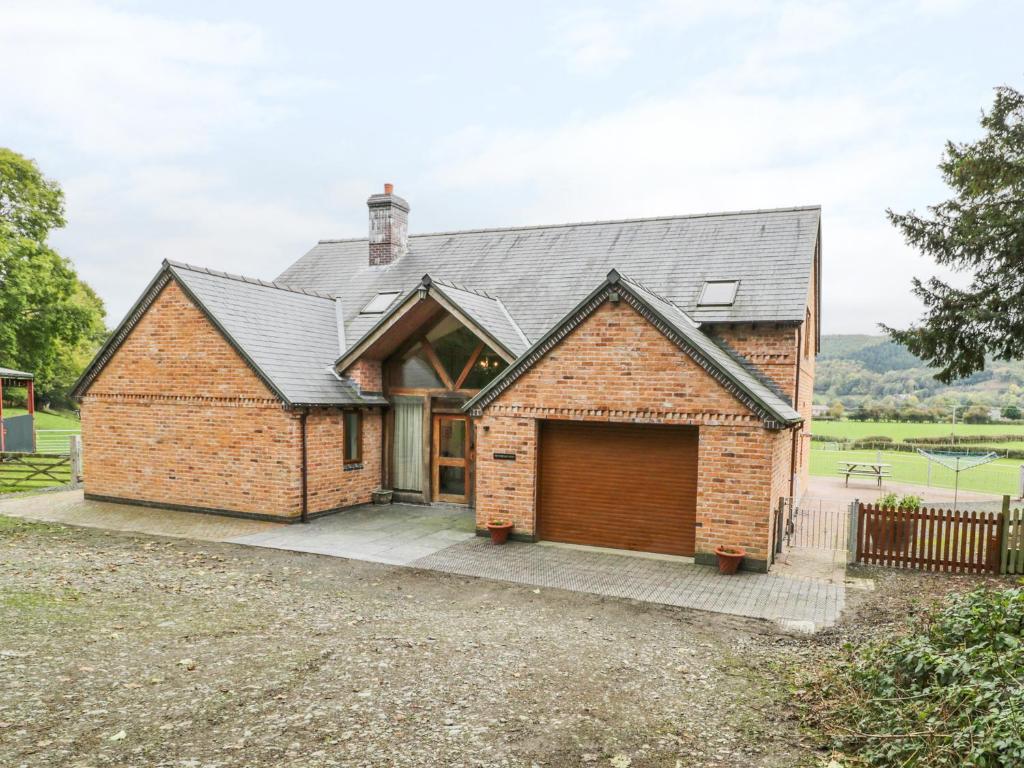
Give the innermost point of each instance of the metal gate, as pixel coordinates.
(812, 523)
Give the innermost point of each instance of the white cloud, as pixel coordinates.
(117, 82)
(591, 41)
(196, 217)
(713, 150)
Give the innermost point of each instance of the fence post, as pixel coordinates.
(1020, 484)
(1004, 534)
(75, 449)
(851, 544)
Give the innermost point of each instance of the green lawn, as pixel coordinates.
(48, 419)
(998, 477)
(854, 430)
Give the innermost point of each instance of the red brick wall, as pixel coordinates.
(177, 417)
(617, 367)
(330, 485)
(366, 374)
(772, 349)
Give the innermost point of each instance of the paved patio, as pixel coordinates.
(398, 534)
(794, 603)
(442, 538)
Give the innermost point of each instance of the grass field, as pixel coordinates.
(998, 477)
(48, 419)
(854, 430)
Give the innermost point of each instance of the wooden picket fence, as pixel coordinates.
(932, 539)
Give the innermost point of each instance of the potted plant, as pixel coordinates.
(729, 558)
(499, 528)
(382, 496)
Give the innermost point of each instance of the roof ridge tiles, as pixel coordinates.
(249, 280)
(564, 225)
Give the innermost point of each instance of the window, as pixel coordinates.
(379, 303)
(353, 437)
(718, 293)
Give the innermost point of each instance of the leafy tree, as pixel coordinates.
(1011, 412)
(50, 321)
(836, 410)
(979, 231)
(976, 414)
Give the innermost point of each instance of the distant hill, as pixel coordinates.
(855, 367)
(876, 353)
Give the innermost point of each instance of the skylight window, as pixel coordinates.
(718, 293)
(379, 303)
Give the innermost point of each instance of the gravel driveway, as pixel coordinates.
(129, 650)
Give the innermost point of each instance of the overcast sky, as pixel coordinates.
(234, 135)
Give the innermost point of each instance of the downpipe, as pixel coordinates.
(305, 475)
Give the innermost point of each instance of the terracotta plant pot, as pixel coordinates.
(729, 558)
(499, 530)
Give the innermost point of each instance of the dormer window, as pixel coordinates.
(379, 303)
(718, 293)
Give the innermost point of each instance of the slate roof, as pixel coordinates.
(288, 336)
(10, 373)
(749, 387)
(539, 273)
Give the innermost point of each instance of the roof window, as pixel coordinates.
(379, 303)
(718, 293)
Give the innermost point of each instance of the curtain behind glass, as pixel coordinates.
(408, 454)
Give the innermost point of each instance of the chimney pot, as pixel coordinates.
(389, 188)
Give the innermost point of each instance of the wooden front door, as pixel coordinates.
(451, 459)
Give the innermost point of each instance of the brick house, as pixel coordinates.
(641, 384)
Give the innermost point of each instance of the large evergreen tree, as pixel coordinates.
(980, 231)
(50, 321)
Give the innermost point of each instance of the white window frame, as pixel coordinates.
(702, 302)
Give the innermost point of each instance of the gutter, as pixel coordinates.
(304, 516)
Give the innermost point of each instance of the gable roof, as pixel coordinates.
(289, 337)
(483, 315)
(540, 273)
(747, 386)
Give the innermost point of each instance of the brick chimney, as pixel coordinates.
(389, 227)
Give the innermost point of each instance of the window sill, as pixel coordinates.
(352, 467)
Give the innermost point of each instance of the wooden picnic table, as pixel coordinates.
(873, 469)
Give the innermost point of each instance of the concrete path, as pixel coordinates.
(397, 534)
(72, 508)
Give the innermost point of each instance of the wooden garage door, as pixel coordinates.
(626, 486)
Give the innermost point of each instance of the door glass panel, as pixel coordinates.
(452, 481)
(487, 366)
(453, 439)
(414, 371)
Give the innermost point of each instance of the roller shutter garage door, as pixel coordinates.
(626, 486)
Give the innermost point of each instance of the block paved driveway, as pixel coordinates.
(441, 538)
